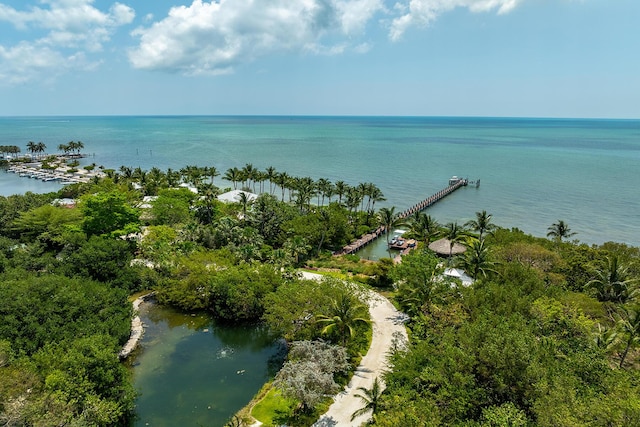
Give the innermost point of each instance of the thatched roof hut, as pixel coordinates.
(443, 247)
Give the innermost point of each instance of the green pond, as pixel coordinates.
(190, 371)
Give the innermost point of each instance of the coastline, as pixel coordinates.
(137, 327)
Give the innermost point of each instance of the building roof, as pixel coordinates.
(234, 196)
(458, 273)
(443, 247)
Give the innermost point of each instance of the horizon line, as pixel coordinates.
(323, 116)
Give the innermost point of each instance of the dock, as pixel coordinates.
(454, 184)
(35, 171)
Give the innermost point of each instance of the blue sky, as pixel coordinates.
(531, 58)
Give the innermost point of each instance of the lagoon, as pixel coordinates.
(189, 371)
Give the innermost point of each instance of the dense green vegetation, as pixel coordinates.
(542, 339)
(547, 335)
(66, 274)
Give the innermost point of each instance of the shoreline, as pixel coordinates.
(137, 327)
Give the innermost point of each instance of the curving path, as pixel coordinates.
(388, 325)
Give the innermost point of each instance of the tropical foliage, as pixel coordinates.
(547, 334)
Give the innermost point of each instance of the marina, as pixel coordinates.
(59, 172)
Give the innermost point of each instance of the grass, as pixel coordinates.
(273, 407)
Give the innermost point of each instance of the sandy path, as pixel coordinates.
(387, 325)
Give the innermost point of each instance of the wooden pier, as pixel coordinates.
(454, 184)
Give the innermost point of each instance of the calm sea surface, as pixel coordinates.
(533, 171)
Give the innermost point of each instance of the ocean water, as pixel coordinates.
(533, 172)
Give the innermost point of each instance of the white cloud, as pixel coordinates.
(66, 31)
(26, 62)
(422, 12)
(214, 37)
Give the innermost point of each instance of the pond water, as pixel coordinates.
(189, 371)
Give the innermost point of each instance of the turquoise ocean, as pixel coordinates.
(533, 172)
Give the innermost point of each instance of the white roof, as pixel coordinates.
(459, 274)
(234, 196)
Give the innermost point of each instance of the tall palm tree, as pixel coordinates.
(454, 234)
(245, 203)
(376, 195)
(305, 189)
(79, 146)
(340, 189)
(324, 187)
(344, 314)
(234, 175)
(211, 172)
(249, 174)
(271, 174)
(353, 197)
(31, 147)
(362, 190)
(282, 180)
(481, 224)
(173, 178)
(40, 147)
(388, 218)
(560, 230)
(613, 282)
(371, 398)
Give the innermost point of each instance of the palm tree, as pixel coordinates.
(376, 195)
(304, 192)
(79, 146)
(560, 230)
(629, 323)
(354, 197)
(424, 227)
(40, 147)
(340, 190)
(481, 224)
(282, 180)
(173, 178)
(454, 234)
(245, 202)
(211, 172)
(31, 147)
(345, 313)
(271, 174)
(371, 398)
(613, 283)
(324, 187)
(234, 175)
(297, 246)
(477, 259)
(388, 219)
(249, 173)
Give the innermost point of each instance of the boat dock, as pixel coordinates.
(63, 175)
(454, 184)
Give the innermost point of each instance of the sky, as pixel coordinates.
(498, 58)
